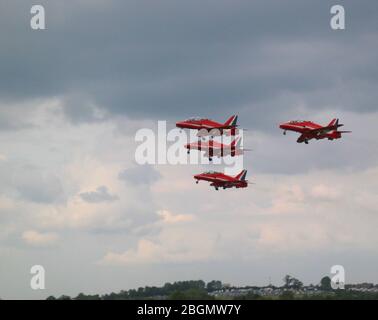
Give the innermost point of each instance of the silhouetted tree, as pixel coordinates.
(325, 284)
(214, 286)
(82, 296)
(291, 282)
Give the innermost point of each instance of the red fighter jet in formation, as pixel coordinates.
(221, 180)
(310, 130)
(216, 149)
(208, 127)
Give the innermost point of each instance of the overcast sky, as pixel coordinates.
(73, 96)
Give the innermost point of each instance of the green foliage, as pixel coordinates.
(287, 295)
(325, 284)
(199, 290)
(249, 296)
(291, 282)
(82, 296)
(190, 294)
(214, 286)
(185, 290)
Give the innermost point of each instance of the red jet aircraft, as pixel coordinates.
(209, 127)
(217, 149)
(310, 130)
(221, 180)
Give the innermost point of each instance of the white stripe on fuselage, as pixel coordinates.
(205, 126)
(222, 179)
(302, 127)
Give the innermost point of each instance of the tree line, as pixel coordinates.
(180, 290)
(199, 290)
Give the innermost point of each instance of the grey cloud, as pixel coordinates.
(100, 195)
(138, 60)
(41, 189)
(140, 175)
(30, 183)
(10, 119)
(80, 109)
(11, 125)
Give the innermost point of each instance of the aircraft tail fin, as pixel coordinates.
(333, 122)
(231, 122)
(241, 176)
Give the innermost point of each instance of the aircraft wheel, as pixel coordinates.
(306, 142)
(216, 188)
(284, 133)
(188, 151)
(210, 159)
(197, 182)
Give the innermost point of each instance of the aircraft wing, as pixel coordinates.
(311, 134)
(322, 130)
(303, 137)
(226, 184)
(333, 125)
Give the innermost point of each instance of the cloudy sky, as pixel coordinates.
(73, 96)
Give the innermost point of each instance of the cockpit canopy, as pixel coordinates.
(210, 172)
(194, 119)
(297, 121)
